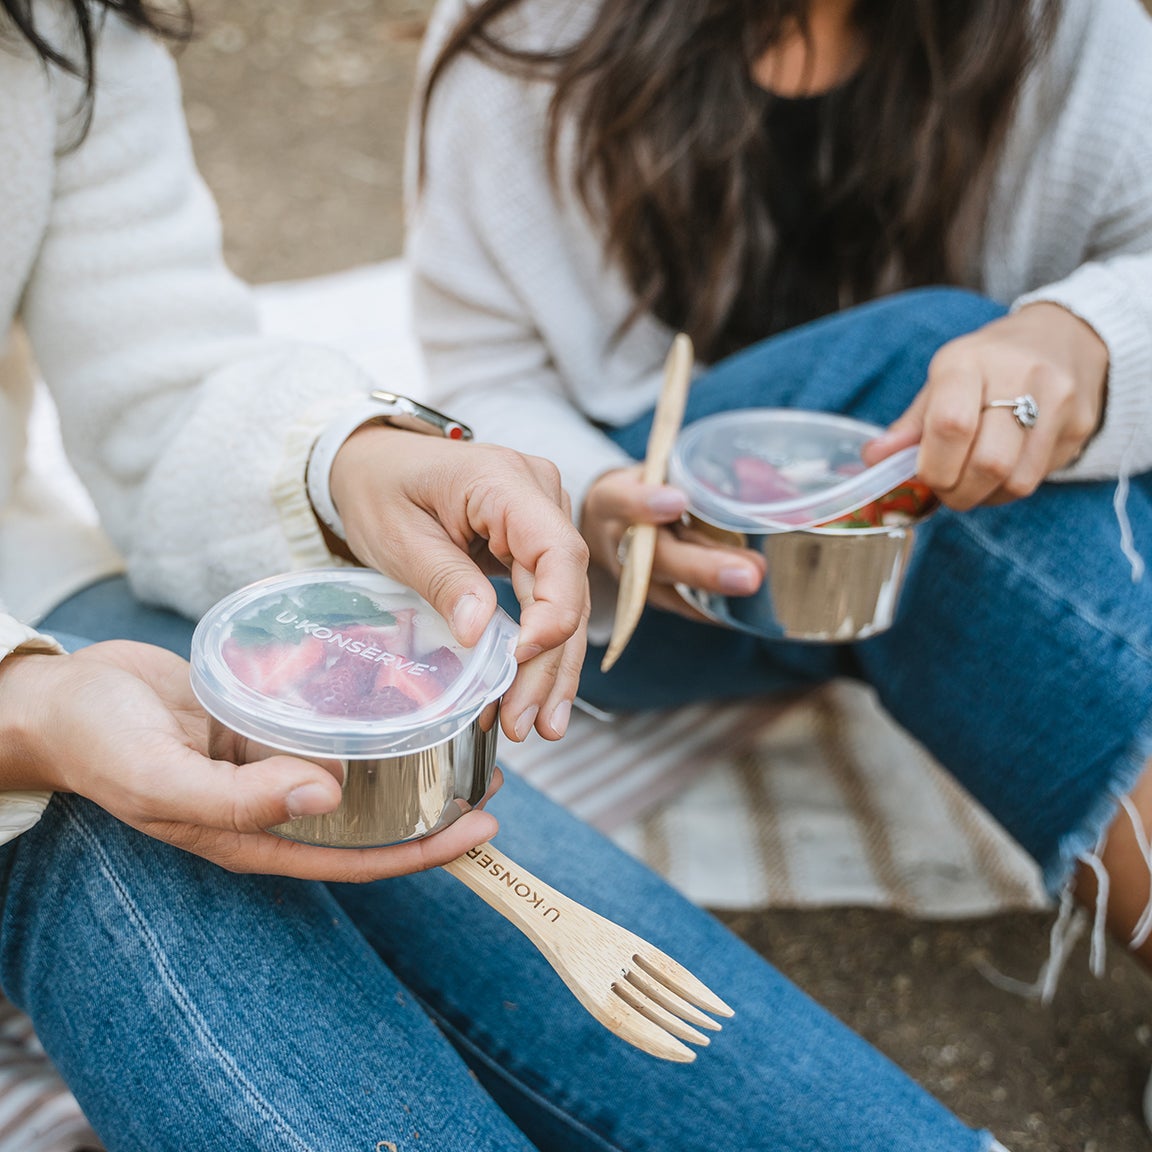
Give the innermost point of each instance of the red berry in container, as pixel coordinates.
(409, 677)
(391, 701)
(443, 664)
(275, 668)
(758, 482)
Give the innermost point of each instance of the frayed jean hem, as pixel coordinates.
(1084, 840)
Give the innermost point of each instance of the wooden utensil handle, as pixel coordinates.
(669, 410)
(514, 892)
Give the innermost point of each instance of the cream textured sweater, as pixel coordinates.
(189, 430)
(517, 314)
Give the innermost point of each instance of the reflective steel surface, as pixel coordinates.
(825, 585)
(391, 798)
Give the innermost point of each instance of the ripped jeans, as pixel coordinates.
(189, 1008)
(1022, 653)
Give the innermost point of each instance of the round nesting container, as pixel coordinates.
(790, 484)
(354, 671)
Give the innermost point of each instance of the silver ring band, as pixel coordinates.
(1024, 409)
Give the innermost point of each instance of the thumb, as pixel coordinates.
(902, 433)
(248, 798)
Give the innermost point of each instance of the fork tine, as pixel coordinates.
(637, 1029)
(666, 998)
(652, 1011)
(663, 968)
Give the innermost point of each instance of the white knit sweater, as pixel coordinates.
(518, 315)
(189, 430)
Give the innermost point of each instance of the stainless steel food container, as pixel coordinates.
(826, 585)
(360, 675)
(779, 481)
(387, 799)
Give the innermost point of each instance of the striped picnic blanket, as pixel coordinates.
(820, 801)
(37, 1113)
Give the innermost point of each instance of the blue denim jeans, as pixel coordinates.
(189, 1008)
(1022, 653)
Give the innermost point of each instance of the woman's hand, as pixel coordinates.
(118, 724)
(619, 498)
(971, 454)
(437, 514)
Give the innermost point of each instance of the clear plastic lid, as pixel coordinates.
(780, 469)
(345, 663)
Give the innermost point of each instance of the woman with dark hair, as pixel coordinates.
(932, 216)
(287, 1007)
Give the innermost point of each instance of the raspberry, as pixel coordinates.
(339, 691)
(389, 701)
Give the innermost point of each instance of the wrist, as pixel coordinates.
(322, 461)
(378, 469)
(29, 683)
(382, 408)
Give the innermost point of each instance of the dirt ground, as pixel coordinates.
(297, 109)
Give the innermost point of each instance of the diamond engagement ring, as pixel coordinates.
(1024, 408)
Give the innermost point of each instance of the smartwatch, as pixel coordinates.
(381, 408)
(404, 412)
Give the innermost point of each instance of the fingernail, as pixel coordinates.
(666, 502)
(465, 613)
(737, 580)
(560, 717)
(524, 724)
(308, 800)
(527, 652)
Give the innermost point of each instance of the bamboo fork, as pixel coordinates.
(632, 988)
(638, 547)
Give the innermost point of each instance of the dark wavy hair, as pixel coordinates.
(674, 151)
(172, 23)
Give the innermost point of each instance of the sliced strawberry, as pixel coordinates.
(443, 665)
(423, 688)
(290, 666)
(245, 662)
(395, 637)
(277, 669)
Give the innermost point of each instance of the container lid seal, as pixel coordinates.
(344, 662)
(781, 469)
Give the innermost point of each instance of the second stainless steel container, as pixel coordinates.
(827, 585)
(769, 480)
